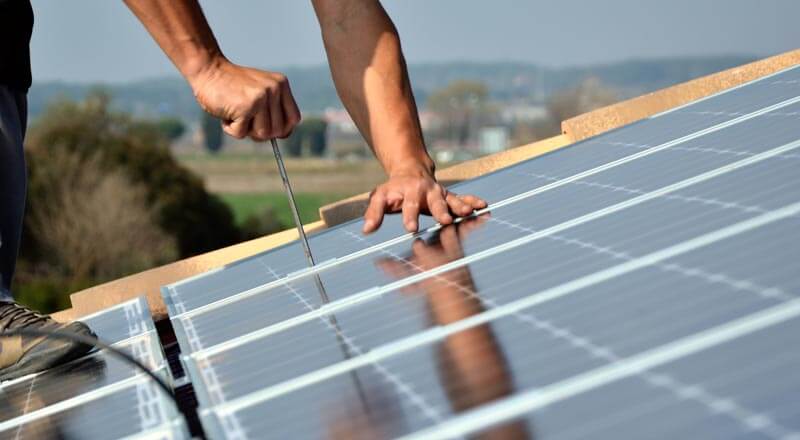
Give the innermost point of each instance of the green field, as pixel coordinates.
(244, 205)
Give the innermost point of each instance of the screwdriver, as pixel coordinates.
(296, 215)
(292, 204)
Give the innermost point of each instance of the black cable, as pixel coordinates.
(85, 340)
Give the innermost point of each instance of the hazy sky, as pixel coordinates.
(90, 40)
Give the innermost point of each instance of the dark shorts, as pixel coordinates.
(13, 118)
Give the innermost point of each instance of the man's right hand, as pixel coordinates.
(250, 102)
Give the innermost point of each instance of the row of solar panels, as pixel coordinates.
(641, 283)
(644, 279)
(97, 396)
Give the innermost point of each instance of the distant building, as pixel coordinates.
(515, 113)
(493, 139)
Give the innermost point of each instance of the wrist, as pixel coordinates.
(415, 166)
(203, 66)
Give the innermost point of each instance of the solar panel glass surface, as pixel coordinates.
(97, 396)
(625, 248)
(336, 243)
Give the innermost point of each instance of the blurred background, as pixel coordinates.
(126, 172)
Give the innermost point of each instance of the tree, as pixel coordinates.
(198, 221)
(92, 223)
(589, 95)
(172, 128)
(309, 137)
(212, 133)
(460, 103)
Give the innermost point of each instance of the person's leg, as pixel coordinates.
(23, 354)
(13, 118)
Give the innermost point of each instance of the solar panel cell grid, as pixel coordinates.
(540, 211)
(123, 413)
(737, 103)
(97, 396)
(622, 266)
(91, 374)
(743, 389)
(122, 321)
(623, 317)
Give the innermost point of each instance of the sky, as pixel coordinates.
(100, 40)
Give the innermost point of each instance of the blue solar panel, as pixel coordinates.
(97, 396)
(666, 128)
(596, 271)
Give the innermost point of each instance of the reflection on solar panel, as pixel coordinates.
(640, 283)
(97, 396)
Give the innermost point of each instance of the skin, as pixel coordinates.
(370, 75)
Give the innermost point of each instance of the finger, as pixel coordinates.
(277, 120)
(411, 210)
(394, 201)
(438, 207)
(373, 217)
(475, 202)
(261, 126)
(290, 110)
(237, 128)
(458, 206)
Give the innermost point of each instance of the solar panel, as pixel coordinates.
(627, 278)
(97, 396)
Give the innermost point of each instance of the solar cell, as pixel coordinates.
(723, 108)
(532, 347)
(635, 263)
(561, 258)
(94, 374)
(124, 320)
(135, 410)
(97, 396)
(719, 149)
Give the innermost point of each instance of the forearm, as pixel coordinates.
(181, 30)
(372, 80)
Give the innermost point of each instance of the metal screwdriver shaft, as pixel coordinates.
(292, 204)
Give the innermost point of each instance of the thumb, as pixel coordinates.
(237, 128)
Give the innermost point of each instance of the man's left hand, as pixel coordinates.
(415, 191)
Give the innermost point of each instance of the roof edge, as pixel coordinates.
(590, 124)
(149, 282)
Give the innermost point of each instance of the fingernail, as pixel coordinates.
(368, 225)
(411, 226)
(448, 219)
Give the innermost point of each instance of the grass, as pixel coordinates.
(244, 205)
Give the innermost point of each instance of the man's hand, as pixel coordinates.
(414, 191)
(250, 102)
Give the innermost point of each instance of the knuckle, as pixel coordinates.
(258, 94)
(274, 90)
